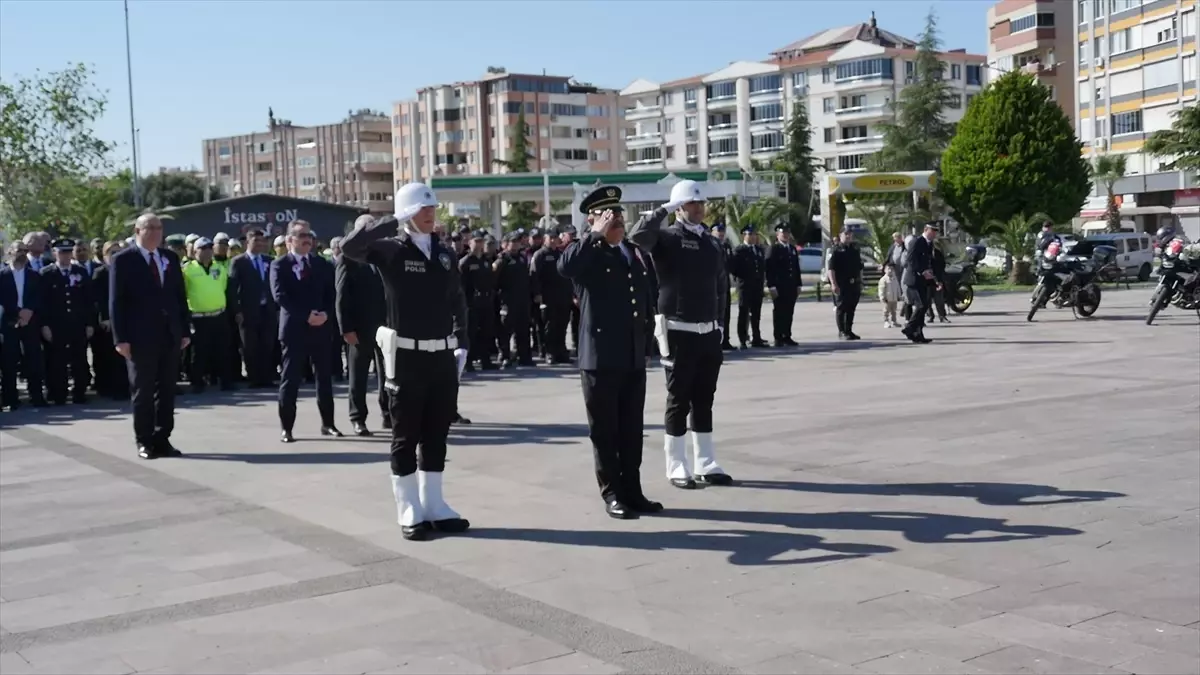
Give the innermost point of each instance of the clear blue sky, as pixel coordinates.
(208, 68)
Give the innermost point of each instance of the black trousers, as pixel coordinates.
(917, 297)
(112, 379)
(538, 329)
(749, 314)
(846, 303)
(938, 299)
(211, 351)
(66, 354)
(259, 341)
(728, 308)
(615, 401)
(312, 343)
(153, 370)
(423, 406)
(558, 317)
(783, 307)
(22, 353)
(692, 380)
(481, 316)
(575, 326)
(515, 328)
(360, 357)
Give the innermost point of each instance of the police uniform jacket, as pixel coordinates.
(513, 282)
(424, 295)
(749, 270)
(846, 264)
(547, 281)
(920, 260)
(615, 305)
(478, 280)
(693, 277)
(67, 300)
(783, 267)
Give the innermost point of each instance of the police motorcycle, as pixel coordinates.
(960, 279)
(1178, 278)
(1069, 278)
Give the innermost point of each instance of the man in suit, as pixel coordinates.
(614, 330)
(147, 305)
(20, 328)
(302, 285)
(783, 281)
(918, 273)
(254, 309)
(68, 322)
(361, 310)
(748, 277)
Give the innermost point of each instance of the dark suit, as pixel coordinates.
(249, 295)
(70, 313)
(299, 292)
(783, 274)
(22, 348)
(616, 319)
(111, 377)
(361, 309)
(919, 260)
(153, 319)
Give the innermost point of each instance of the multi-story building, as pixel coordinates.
(1135, 66)
(348, 162)
(467, 127)
(847, 77)
(1035, 36)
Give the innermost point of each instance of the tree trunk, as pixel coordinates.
(1113, 214)
(1020, 273)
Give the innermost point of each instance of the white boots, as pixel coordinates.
(420, 507)
(675, 448)
(432, 501)
(705, 468)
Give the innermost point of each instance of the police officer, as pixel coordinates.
(479, 285)
(845, 280)
(558, 296)
(69, 320)
(748, 270)
(783, 281)
(918, 273)
(424, 339)
(692, 284)
(207, 282)
(612, 352)
(513, 282)
(718, 231)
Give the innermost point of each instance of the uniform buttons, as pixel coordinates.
(631, 276)
(635, 313)
(631, 289)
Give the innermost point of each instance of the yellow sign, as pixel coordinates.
(883, 183)
(933, 181)
(834, 185)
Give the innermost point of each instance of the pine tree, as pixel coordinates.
(520, 214)
(797, 160)
(919, 134)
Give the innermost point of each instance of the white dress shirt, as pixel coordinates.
(422, 240)
(19, 281)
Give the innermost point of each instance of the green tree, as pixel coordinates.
(914, 141)
(1107, 170)
(882, 220)
(1181, 141)
(798, 163)
(47, 145)
(175, 188)
(1015, 153)
(1015, 236)
(98, 210)
(520, 214)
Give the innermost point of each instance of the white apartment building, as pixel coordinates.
(846, 76)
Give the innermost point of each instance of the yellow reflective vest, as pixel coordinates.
(205, 288)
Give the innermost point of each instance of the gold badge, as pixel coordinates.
(612, 192)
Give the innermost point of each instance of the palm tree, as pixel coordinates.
(1108, 169)
(881, 223)
(1014, 236)
(1181, 141)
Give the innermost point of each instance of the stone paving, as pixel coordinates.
(1014, 498)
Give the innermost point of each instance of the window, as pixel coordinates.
(721, 90)
(1163, 30)
(766, 112)
(829, 134)
(224, 170)
(826, 74)
(648, 155)
(670, 152)
(827, 104)
(1101, 128)
(1127, 123)
(910, 71)
(851, 133)
(955, 101)
(264, 148)
(722, 146)
(689, 122)
(455, 136)
(262, 166)
(569, 154)
(600, 155)
(766, 83)
(693, 150)
(224, 151)
(1122, 41)
(558, 131)
(866, 68)
(512, 107)
(1122, 5)
(767, 142)
(1031, 21)
(447, 115)
(669, 125)
(721, 121)
(856, 101)
(310, 162)
(265, 185)
(956, 71)
(689, 99)
(974, 75)
(800, 79)
(308, 181)
(851, 162)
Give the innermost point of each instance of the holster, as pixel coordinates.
(660, 334)
(386, 339)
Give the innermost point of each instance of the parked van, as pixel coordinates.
(1135, 252)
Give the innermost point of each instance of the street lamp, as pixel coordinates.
(137, 190)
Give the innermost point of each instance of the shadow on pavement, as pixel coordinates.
(480, 433)
(990, 494)
(294, 457)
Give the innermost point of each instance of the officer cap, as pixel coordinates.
(63, 244)
(279, 241)
(520, 232)
(177, 240)
(191, 238)
(513, 236)
(479, 234)
(221, 236)
(202, 242)
(535, 232)
(932, 225)
(718, 226)
(781, 228)
(749, 229)
(603, 197)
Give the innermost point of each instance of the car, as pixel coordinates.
(811, 260)
(1135, 252)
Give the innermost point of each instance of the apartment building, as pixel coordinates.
(846, 76)
(1035, 36)
(347, 162)
(1135, 65)
(464, 127)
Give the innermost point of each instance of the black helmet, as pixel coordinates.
(1164, 235)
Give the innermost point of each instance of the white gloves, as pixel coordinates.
(672, 207)
(460, 355)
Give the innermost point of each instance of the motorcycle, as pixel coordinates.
(1178, 279)
(1069, 279)
(960, 280)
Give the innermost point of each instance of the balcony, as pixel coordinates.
(643, 112)
(643, 140)
(721, 103)
(864, 82)
(863, 112)
(774, 123)
(764, 95)
(727, 130)
(643, 164)
(857, 140)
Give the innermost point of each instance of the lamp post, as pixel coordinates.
(137, 188)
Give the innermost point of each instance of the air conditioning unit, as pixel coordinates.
(1100, 143)
(1100, 62)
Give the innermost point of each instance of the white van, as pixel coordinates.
(1135, 252)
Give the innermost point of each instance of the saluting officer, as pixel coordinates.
(68, 322)
(845, 280)
(513, 282)
(749, 270)
(783, 281)
(479, 285)
(423, 341)
(692, 284)
(615, 327)
(718, 231)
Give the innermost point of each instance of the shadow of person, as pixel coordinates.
(484, 433)
(921, 528)
(294, 457)
(745, 547)
(990, 494)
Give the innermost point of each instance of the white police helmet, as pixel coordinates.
(683, 192)
(412, 198)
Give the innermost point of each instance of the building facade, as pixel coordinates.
(847, 77)
(348, 162)
(1035, 36)
(1136, 66)
(466, 128)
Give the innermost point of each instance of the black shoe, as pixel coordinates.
(165, 449)
(40, 403)
(743, 345)
(286, 437)
(843, 336)
(727, 346)
(507, 364)
(81, 399)
(418, 532)
(146, 451)
(684, 483)
(942, 319)
(643, 505)
(360, 429)
(330, 430)
(759, 343)
(790, 342)
(616, 509)
(387, 423)
(452, 525)
(527, 364)
(488, 365)
(852, 336)
(459, 419)
(719, 479)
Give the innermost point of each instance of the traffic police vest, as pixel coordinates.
(205, 289)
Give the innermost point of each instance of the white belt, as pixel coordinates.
(689, 327)
(440, 345)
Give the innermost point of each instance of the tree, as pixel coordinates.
(919, 134)
(798, 163)
(1181, 141)
(1014, 236)
(881, 219)
(1015, 152)
(520, 214)
(1107, 170)
(175, 188)
(47, 145)
(97, 211)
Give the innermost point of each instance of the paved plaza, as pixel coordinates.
(1013, 498)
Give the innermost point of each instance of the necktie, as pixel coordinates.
(155, 268)
(304, 267)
